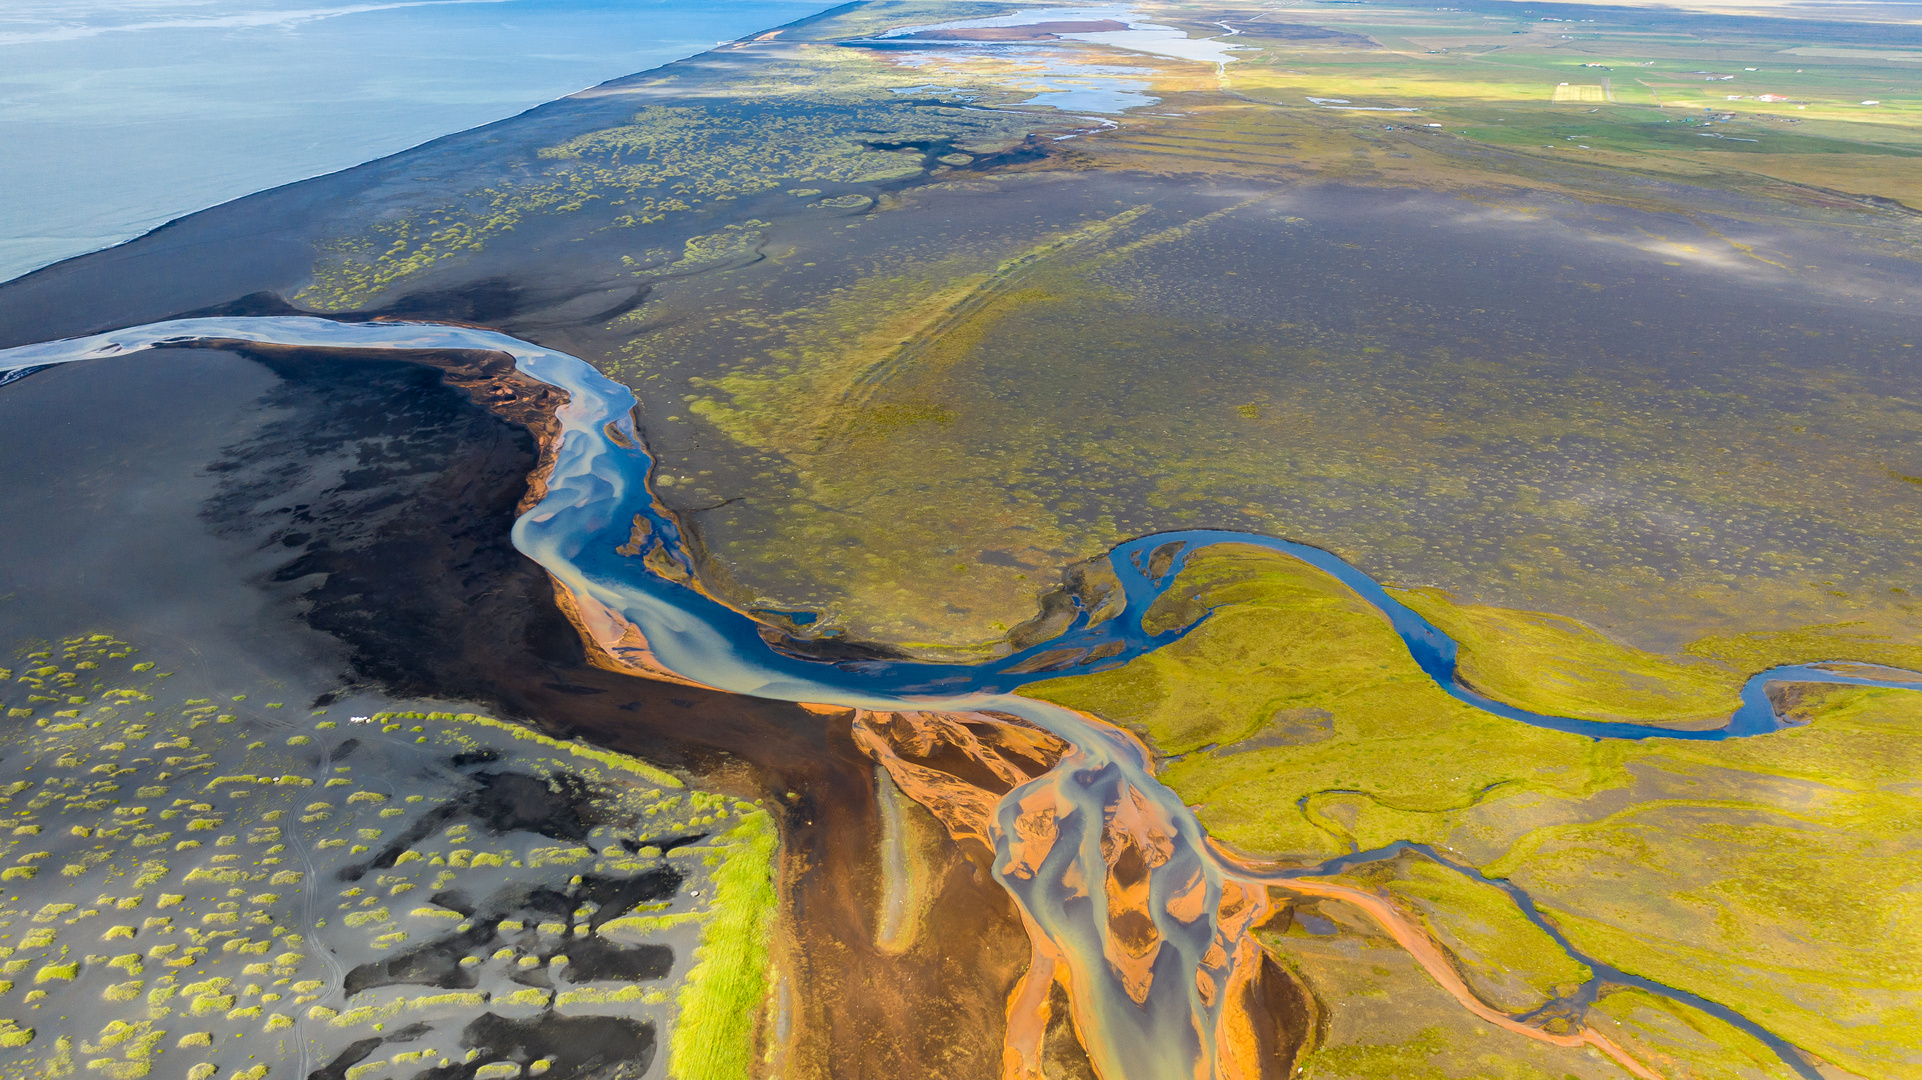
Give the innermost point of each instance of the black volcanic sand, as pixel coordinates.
(591, 959)
(1539, 404)
(333, 528)
(107, 470)
(1671, 411)
(269, 240)
(577, 1046)
(1596, 410)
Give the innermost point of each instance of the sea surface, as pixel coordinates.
(117, 116)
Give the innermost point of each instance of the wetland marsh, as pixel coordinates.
(894, 460)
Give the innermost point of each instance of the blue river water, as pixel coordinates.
(599, 497)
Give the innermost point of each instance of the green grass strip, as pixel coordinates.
(714, 1039)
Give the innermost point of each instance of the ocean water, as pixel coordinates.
(117, 116)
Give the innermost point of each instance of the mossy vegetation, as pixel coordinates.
(1762, 101)
(1837, 641)
(1385, 1019)
(721, 1000)
(1556, 665)
(218, 847)
(1770, 874)
(1508, 961)
(831, 121)
(915, 391)
(1690, 1044)
(1284, 636)
(1766, 874)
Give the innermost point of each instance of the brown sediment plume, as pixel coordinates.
(843, 1008)
(962, 767)
(848, 1009)
(931, 1008)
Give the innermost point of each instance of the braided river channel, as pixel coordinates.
(1158, 1018)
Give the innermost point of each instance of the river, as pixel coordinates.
(1055, 835)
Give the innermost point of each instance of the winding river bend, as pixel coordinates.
(1160, 1016)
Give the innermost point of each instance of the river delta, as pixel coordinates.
(1199, 580)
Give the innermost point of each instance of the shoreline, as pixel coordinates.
(386, 119)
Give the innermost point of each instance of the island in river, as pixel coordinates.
(911, 349)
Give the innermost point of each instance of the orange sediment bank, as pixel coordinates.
(959, 766)
(613, 643)
(994, 752)
(1228, 974)
(1030, 1009)
(962, 768)
(1134, 843)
